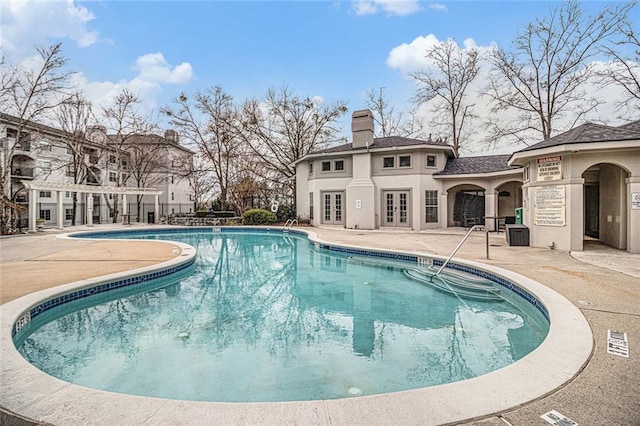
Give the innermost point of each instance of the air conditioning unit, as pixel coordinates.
(517, 235)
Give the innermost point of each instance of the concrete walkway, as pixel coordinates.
(603, 283)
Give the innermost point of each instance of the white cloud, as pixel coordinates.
(391, 7)
(437, 6)
(410, 57)
(26, 23)
(153, 74)
(153, 67)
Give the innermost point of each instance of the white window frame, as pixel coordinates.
(430, 206)
(410, 161)
(435, 161)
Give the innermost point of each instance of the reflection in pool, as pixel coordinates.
(269, 317)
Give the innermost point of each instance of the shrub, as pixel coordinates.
(284, 213)
(258, 217)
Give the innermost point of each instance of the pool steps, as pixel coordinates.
(458, 284)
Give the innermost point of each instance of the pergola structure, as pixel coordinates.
(60, 188)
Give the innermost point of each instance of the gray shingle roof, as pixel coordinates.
(472, 165)
(387, 142)
(590, 133)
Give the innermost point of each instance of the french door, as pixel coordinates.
(395, 208)
(333, 208)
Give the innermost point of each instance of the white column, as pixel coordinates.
(633, 218)
(60, 209)
(490, 209)
(89, 210)
(33, 208)
(157, 206)
(443, 209)
(124, 209)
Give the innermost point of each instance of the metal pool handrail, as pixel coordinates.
(474, 227)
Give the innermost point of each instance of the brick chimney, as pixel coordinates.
(362, 128)
(172, 136)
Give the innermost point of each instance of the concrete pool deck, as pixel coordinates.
(604, 285)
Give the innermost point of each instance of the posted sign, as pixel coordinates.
(550, 168)
(635, 200)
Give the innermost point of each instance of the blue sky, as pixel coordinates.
(331, 49)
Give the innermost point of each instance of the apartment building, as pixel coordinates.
(46, 157)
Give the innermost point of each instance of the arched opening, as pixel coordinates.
(605, 204)
(466, 205)
(509, 199)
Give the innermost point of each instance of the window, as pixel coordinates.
(432, 161)
(45, 214)
(172, 197)
(171, 179)
(431, 206)
(525, 173)
(68, 194)
(388, 162)
(311, 205)
(113, 177)
(112, 159)
(404, 161)
(69, 151)
(69, 171)
(45, 146)
(310, 168)
(45, 194)
(68, 214)
(124, 164)
(45, 166)
(338, 165)
(124, 177)
(326, 166)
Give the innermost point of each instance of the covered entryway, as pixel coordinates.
(605, 204)
(395, 208)
(333, 208)
(93, 192)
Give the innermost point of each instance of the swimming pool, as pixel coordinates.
(269, 316)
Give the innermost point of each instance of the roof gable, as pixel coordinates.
(590, 133)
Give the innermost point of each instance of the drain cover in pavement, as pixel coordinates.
(557, 419)
(617, 343)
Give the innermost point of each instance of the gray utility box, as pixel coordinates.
(517, 235)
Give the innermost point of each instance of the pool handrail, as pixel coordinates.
(473, 228)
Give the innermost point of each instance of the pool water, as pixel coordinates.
(269, 317)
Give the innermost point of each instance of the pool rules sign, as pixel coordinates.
(550, 168)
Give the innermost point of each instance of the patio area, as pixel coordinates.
(603, 283)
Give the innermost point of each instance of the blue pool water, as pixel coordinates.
(269, 317)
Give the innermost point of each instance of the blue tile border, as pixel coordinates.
(92, 291)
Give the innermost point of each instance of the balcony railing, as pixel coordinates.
(23, 146)
(22, 172)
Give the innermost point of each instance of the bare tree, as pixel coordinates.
(541, 80)
(29, 93)
(125, 123)
(149, 164)
(199, 174)
(207, 121)
(282, 128)
(74, 116)
(624, 71)
(390, 122)
(446, 82)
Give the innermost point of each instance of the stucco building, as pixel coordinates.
(588, 178)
